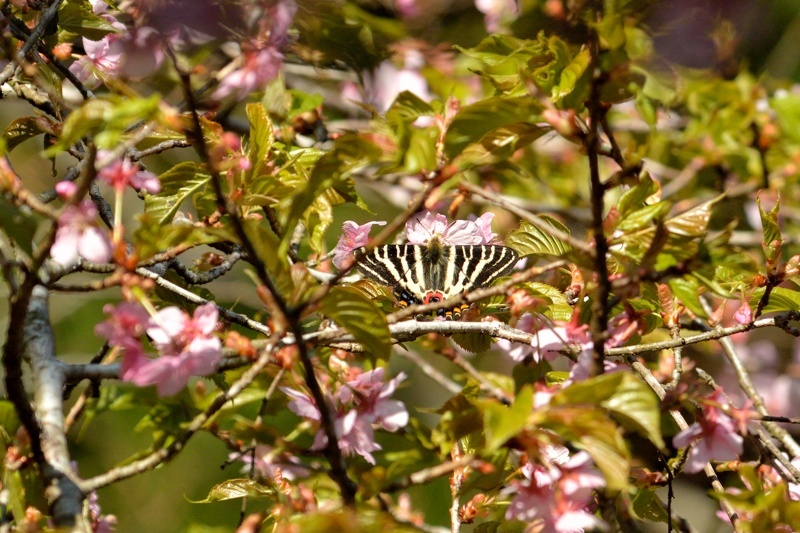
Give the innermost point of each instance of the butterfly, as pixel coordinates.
(423, 274)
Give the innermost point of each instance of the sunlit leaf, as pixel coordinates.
(781, 299)
(473, 342)
(638, 196)
(771, 230)
(694, 222)
(476, 120)
(24, 128)
(648, 506)
(357, 314)
(261, 138)
(106, 119)
(238, 488)
(349, 153)
(502, 422)
(407, 107)
(627, 397)
(75, 18)
(178, 184)
(529, 240)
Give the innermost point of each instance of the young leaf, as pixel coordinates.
(501, 422)
(529, 240)
(237, 488)
(772, 231)
(476, 120)
(24, 128)
(628, 398)
(261, 138)
(355, 312)
(349, 153)
(177, 184)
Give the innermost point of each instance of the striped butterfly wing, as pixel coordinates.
(418, 274)
(473, 267)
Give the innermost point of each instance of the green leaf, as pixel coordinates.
(787, 107)
(356, 313)
(473, 342)
(648, 506)
(772, 231)
(569, 77)
(529, 240)
(178, 184)
(237, 488)
(262, 137)
(497, 49)
(14, 486)
(24, 128)
(302, 102)
(642, 218)
(627, 397)
(19, 226)
(476, 120)
(75, 17)
(9, 422)
(267, 248)
(687, 290)
(781, 299)
(694, 222)
(407, 108)
(348, 154)
(106, 119)
(502, 422)
(638, 196)
(588, 427)
(152, 237)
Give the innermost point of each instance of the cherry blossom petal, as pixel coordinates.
(94, 245)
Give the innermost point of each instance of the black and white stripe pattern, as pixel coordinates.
(415, 271)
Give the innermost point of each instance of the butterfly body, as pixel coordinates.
(435, 272)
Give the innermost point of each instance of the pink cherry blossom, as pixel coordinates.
(548, 342)
(126, 321)
(78, 236)
(387, 81)
(268, 461)
(123, 328)
(484, 223)
(353, 236)
(66, 189)
(121, 172)
(360, 405)
(713, 437)
(583, 368)
(424, 226)
(494, 11)
(554, 496)
(101, 56)
(260, 66)
(142, 52)
(187, 348)
(744, 315)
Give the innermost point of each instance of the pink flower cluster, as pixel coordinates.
(78, 234)
(555, 496)
(420, 229)
(268, 462)
(360, 404)
(137, 51)
(122, 172)
(186, 345)
(713, 437)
